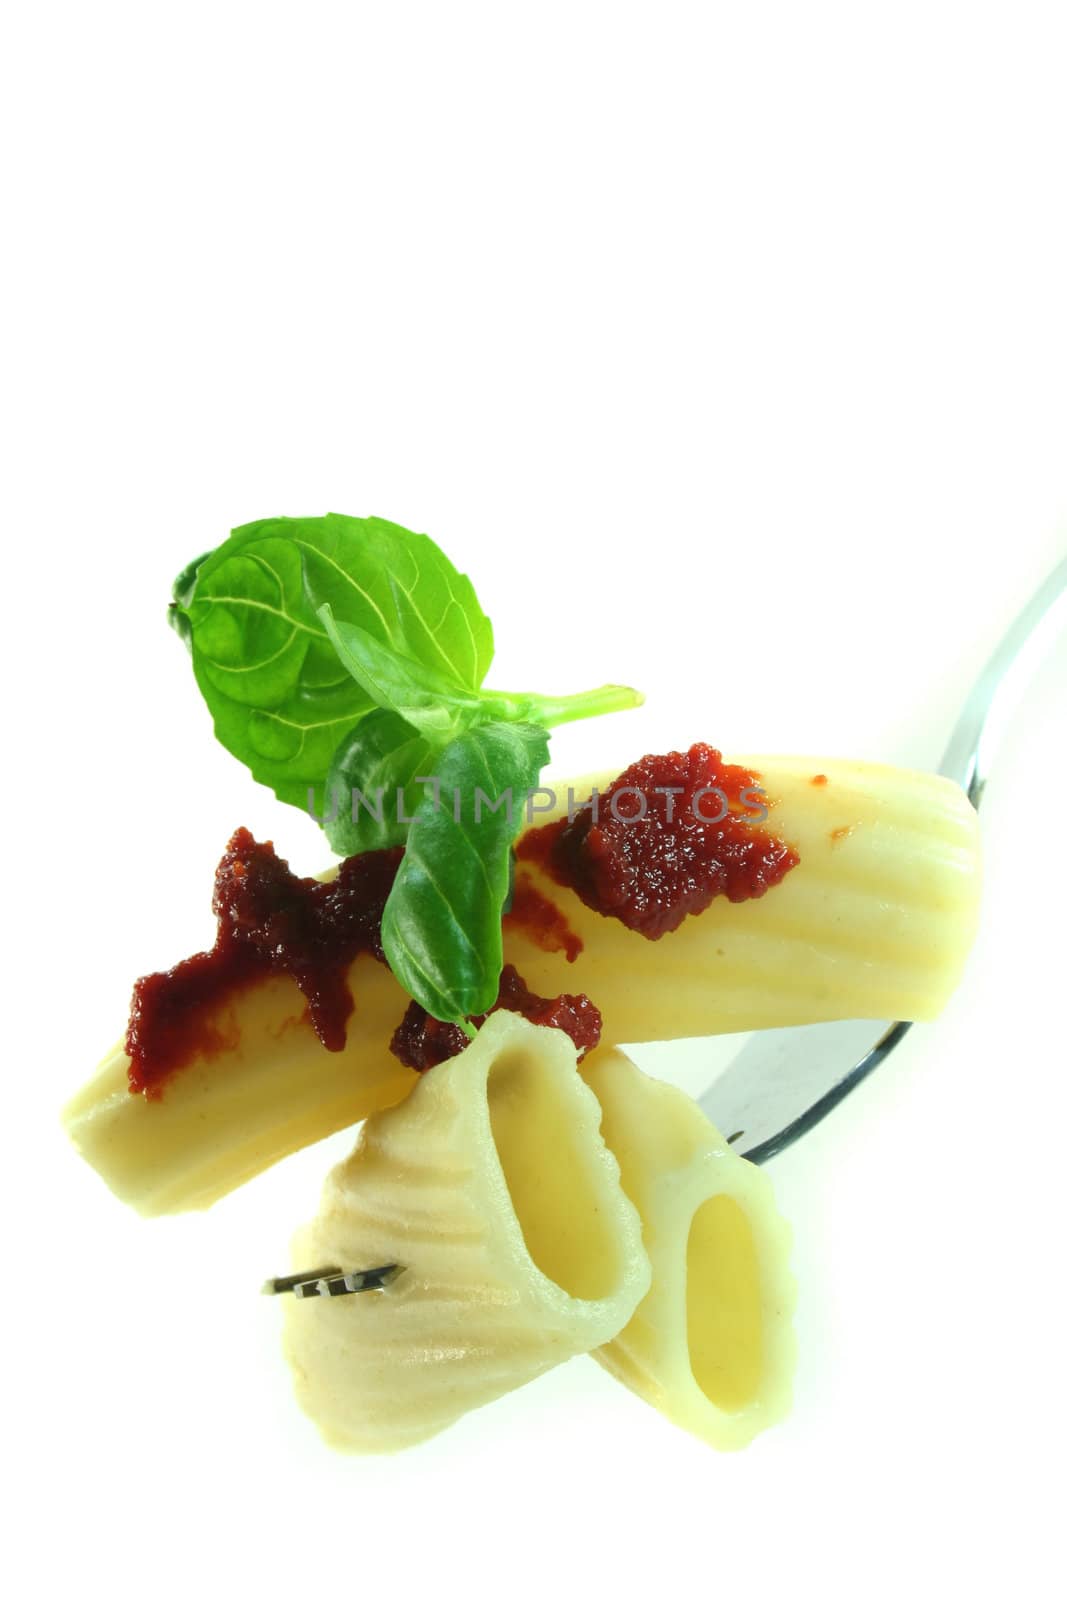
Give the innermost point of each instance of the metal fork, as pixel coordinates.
(784, 1081)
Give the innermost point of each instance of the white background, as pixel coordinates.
(725, 346)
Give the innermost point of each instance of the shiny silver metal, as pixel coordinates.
(331, 1281)
(784, 1081)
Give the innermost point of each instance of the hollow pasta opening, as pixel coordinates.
(555, 1180)
(723, 1304)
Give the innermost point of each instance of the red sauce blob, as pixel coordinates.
(541, 920)
(819, 779)
(423, 1042)
(269, 921)
(652, 859)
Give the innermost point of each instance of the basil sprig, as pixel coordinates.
(344, 657)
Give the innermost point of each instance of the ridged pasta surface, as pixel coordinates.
(492, 1187)
(875, 921)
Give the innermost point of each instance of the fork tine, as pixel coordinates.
(330, 1281)
(289, 1284)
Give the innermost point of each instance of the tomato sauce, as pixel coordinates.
(422, 1042)
(269, 921)
(671, 834)
(541, 919)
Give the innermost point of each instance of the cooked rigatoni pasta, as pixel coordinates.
(492, 1187)
(875, 921)
(711, 1345)
(269, 1089)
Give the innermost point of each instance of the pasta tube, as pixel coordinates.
(269, 1090)
(492, 1187)
(711, 1345)
(875, 921)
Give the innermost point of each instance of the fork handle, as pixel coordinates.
(979, 731)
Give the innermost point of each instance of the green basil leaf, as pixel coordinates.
(279, 695)
(441, 930)
(434, 704)
(371, 793)
(180, 595)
